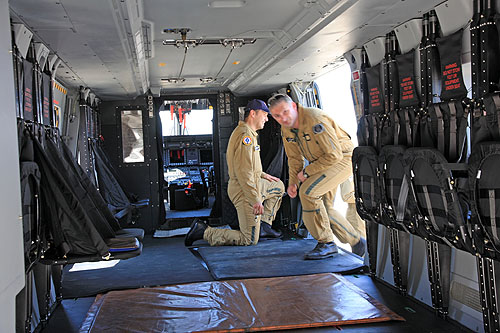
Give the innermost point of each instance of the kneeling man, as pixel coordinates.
(255, 194)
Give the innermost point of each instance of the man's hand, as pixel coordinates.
(301, 177)
(258, 208)
(270, 178)
(292, 191)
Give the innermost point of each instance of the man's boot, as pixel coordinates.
(322, 251)
(196, 232)
(266, 231)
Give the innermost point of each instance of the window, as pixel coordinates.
(335, 93)
(189, 117)
(132, 136)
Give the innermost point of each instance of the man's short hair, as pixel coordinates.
(278, 98)
(246, 114)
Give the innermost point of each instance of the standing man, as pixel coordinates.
(309, 134)
(255, 194)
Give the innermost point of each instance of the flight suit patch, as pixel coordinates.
(290, 140)
(247, 140)
(318, 128)
(257, 148)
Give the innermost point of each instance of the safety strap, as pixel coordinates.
(403, 196)
(366, 125)
(496, 100)
(440, 128)
(396, 127)
(414, 132)
(433, 212)
(375, 130)
(372, 189)
(490, 195)
(391, 191)
(461, 134)
(370, 182)
(429, 207)
(453, 131)
(408, 128)
(493, 218)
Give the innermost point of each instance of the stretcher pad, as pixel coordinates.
(263, 304)
(274, 258)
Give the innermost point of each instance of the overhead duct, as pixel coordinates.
(454, 15)
(54, 62)
(409, 35)
(41, 54)
(22, 38)
(314, 17)
(375, 49)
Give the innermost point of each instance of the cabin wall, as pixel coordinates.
(11, 240)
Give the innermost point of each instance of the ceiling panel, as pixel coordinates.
(92, 38)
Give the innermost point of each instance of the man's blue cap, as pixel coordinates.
(257, 104)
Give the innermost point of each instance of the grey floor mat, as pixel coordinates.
(272, 258)
(162, 262)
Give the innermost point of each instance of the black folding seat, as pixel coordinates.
(436, 192)
(124, 207)
(484, 189)
(486, 119)
(62, 152)
(366, 183)
(74, 230)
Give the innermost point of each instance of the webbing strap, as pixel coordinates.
(496, 100)
(403, 196)
(391, 190)
(375, 130)
(366, 126)
(453, 131)
(440, 128)
(408, 129)
(445, 202)
(493, 218)
(372, 188)
(396, 127)
(415, 128)
(360, 182)
(491, 195)
(461, 134)
(429, 207)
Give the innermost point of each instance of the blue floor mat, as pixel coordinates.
(274, 258)
(163, 261)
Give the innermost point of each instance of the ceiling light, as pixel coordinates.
(190, 43)
(174, 80)
(233, 42)
(227, 4)
(207, 79)
(187, 43)
(182, 31)
(237, 42)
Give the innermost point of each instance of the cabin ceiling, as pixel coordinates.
(115, 47)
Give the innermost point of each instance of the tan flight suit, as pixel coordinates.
(328, 149)
(351, 215)
(246, 187)
(347, 194)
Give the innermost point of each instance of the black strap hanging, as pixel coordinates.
(450, 53)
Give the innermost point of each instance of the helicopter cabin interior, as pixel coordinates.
(116, 120)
